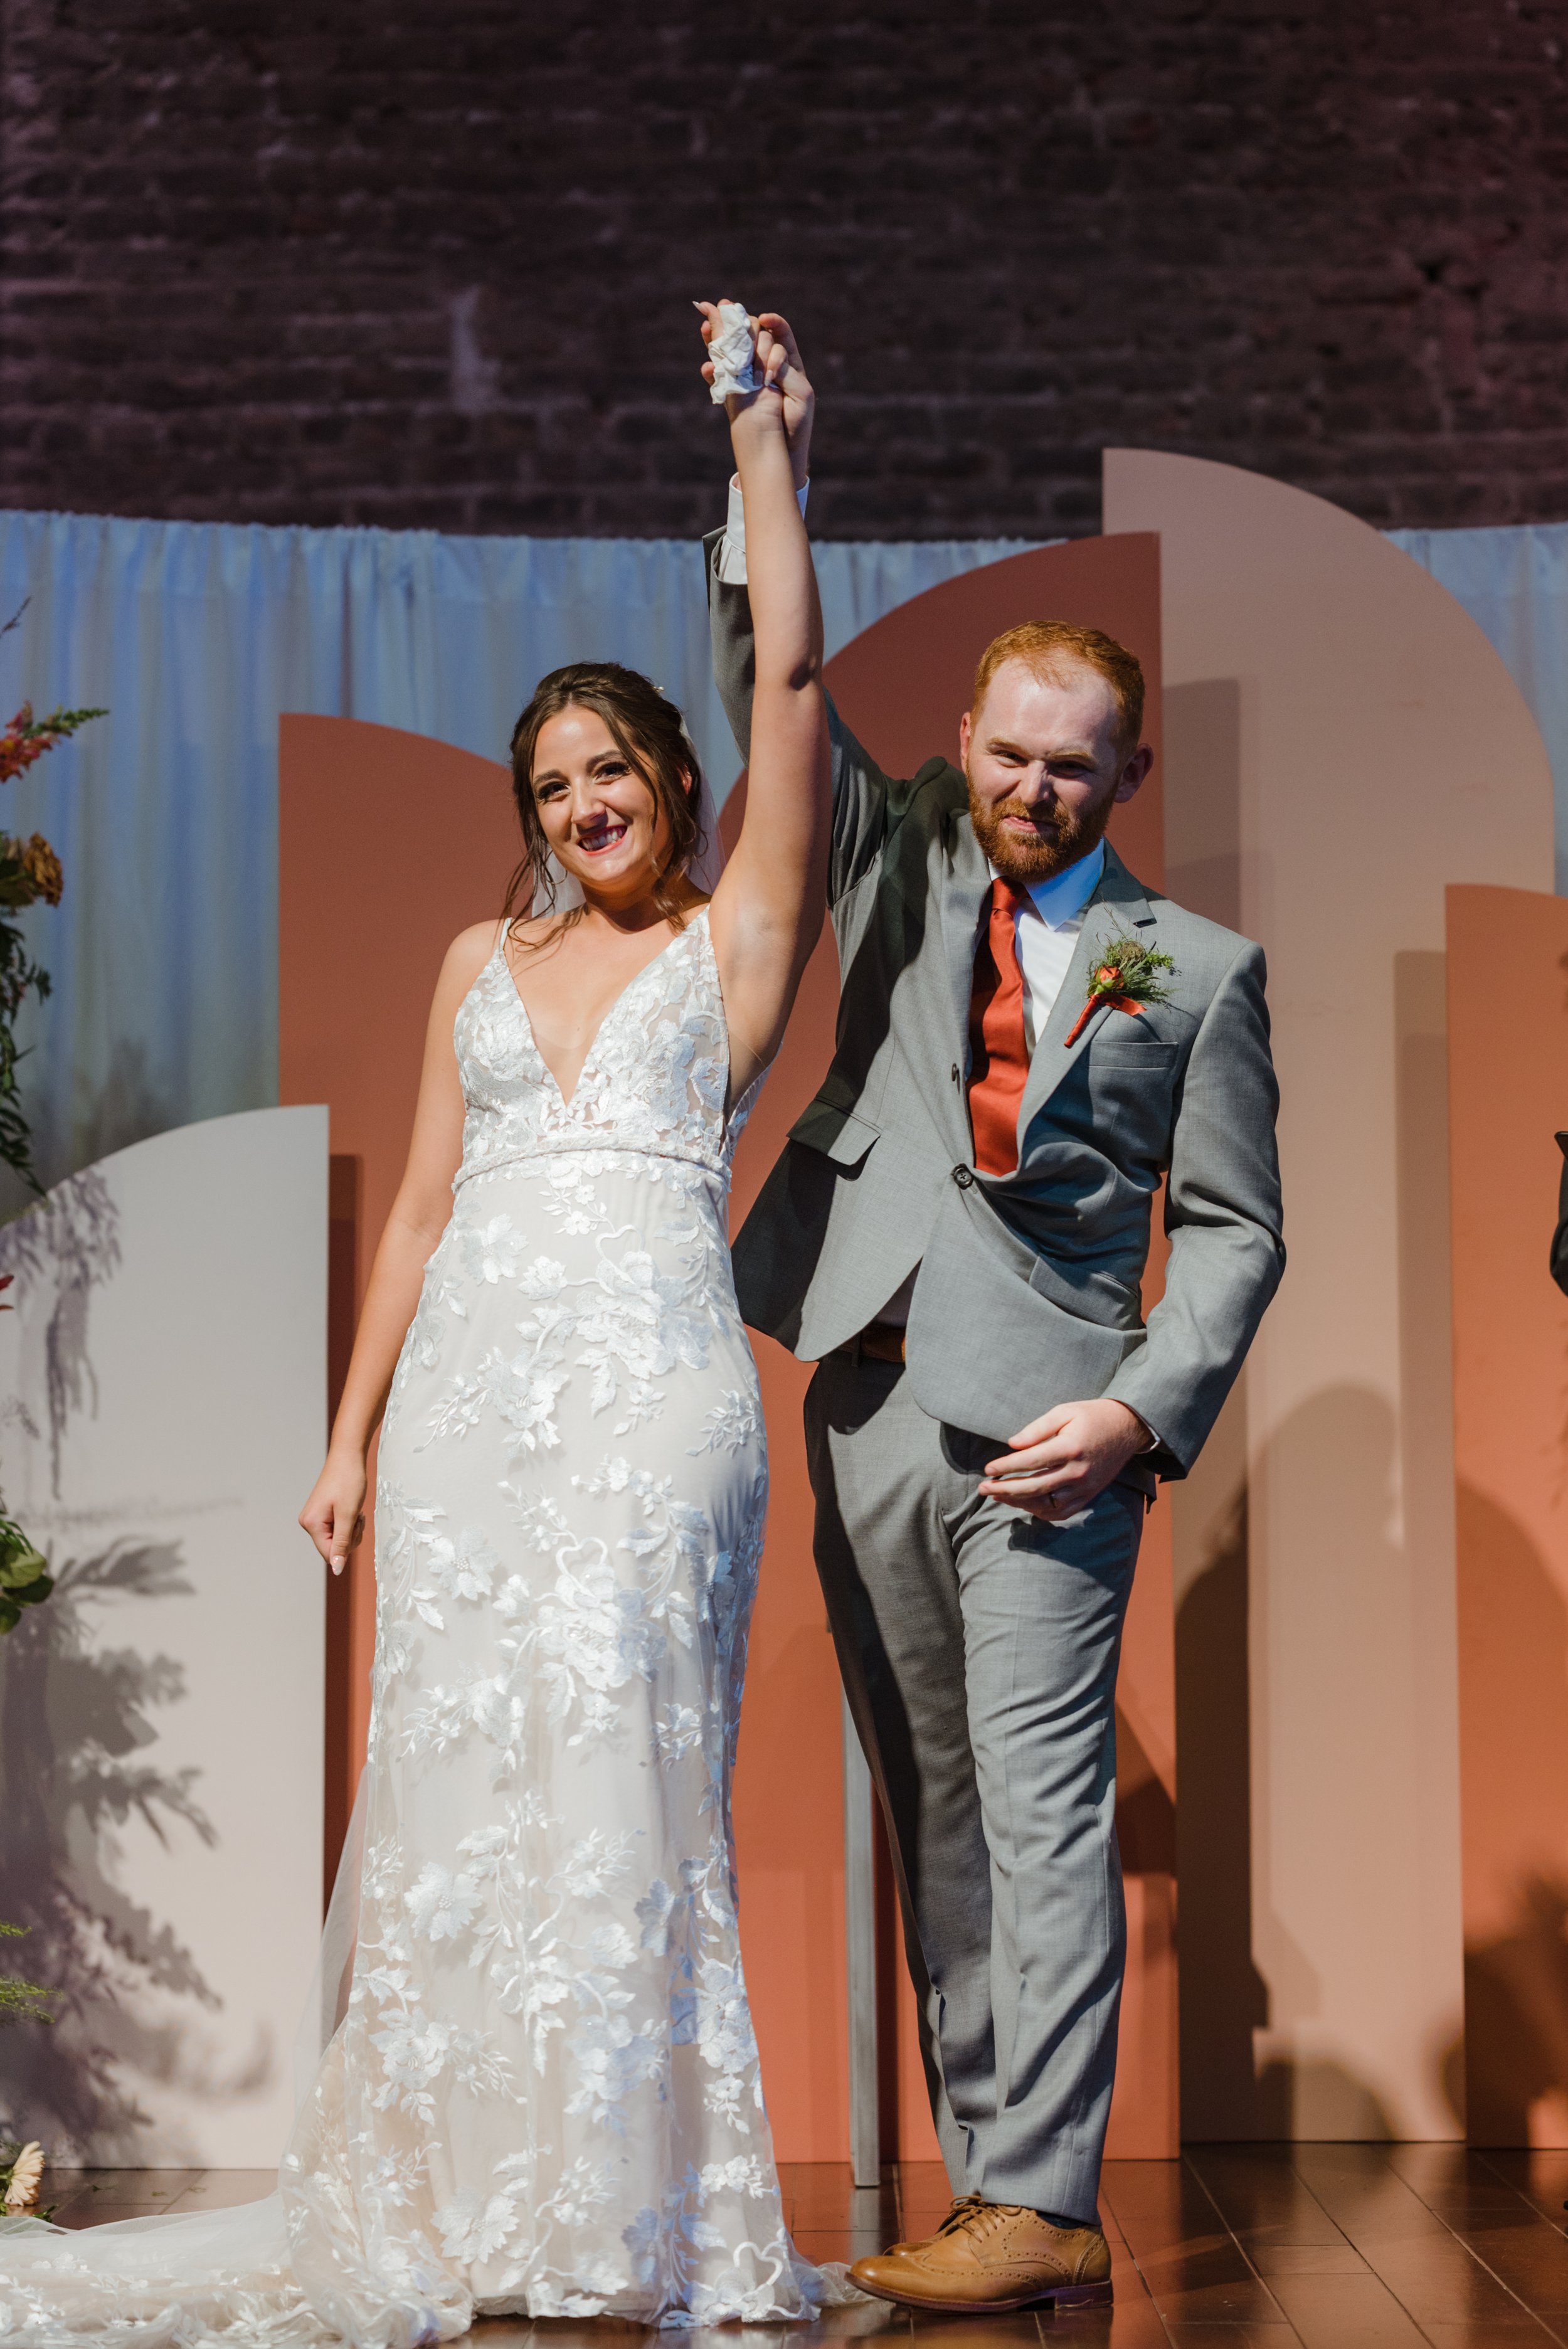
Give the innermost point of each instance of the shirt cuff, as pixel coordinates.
(732, 546)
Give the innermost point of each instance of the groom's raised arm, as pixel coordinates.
(862, 792)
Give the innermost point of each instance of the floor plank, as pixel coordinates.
(1431, 2273)
(1135, 2322)
(1193, 2267)
(1528, 2255)
(1234, 2247)
(1321, 2282)
(1538, 2178)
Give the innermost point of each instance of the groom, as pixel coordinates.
(957, 1235)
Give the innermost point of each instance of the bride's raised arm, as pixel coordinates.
(769, 905)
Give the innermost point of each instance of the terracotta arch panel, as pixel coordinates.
(389, 844)
(1507, 1095)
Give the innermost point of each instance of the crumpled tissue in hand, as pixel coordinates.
(732, 352)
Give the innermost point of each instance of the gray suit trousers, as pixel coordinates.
(979, 1649)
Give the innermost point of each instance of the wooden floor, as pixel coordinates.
(1234, 2247)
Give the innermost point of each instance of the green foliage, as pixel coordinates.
(1126, 967)
(25, 1581)
(19, 977)
(22, 2002)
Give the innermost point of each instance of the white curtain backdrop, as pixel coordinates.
(197, 636)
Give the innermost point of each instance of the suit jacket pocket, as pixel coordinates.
(1132, 1052)
(837, 1133)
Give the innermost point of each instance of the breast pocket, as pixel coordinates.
(1132, 1052)
(1132, 1090)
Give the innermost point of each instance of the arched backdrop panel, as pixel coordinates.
(1507, 1091)
(389, 844)
(1342, 741)
(160, 1755)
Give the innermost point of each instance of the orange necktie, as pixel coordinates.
(998, 1042)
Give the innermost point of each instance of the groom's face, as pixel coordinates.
(1046, 765)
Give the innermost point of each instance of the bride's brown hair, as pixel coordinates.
(648, 729)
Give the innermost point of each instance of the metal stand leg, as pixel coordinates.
(861, 1937)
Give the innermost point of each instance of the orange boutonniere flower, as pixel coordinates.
(1126, 977)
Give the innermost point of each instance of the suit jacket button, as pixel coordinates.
(964, 1176)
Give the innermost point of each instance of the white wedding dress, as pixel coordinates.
(544, 2095)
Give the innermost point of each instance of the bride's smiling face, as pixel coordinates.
(602, 820)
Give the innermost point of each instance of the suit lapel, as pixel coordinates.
(1118, 904)
(969, 882)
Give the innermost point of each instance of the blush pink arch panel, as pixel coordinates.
(389, 844)
(1342, 743)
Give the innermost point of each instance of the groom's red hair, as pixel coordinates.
(1049, 647)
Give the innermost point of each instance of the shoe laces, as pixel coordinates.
(966, 2208)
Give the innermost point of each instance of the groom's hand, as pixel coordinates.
(778, 358)
(1062, 1460)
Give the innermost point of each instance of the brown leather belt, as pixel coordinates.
(879, 1341)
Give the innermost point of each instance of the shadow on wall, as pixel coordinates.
(1509, 2074)
(1226, 2092)
(1512, 2073)
(77, 1719)
(131, 1106)
(1231, 2085)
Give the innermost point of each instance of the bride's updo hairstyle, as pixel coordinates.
(648, 729)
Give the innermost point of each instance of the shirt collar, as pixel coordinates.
(1062, 898)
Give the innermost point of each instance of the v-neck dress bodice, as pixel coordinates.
(653, 1084)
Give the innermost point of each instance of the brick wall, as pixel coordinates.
(342, 260)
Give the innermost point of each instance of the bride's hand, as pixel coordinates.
(333, 1516)
(779, 363)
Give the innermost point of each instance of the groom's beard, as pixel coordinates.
(1053, 847)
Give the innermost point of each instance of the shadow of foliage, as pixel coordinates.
(73, 1237)
(75, 1717)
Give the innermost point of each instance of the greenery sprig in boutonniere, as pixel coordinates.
(1126, 977)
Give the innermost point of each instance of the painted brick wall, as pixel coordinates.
(341, 261)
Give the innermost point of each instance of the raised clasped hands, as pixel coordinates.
(1065, 1458)
(779, 365)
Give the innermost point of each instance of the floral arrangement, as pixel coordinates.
(1126, 977)
(29, 870)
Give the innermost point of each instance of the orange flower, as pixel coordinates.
(42, 867)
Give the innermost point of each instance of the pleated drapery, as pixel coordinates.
(198, 635)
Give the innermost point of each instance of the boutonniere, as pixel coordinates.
(1127, 977)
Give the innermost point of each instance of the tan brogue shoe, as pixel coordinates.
(992, 2255)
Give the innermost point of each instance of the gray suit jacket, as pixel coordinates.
(1028, 1293)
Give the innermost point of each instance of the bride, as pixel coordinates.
(545, 2097)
